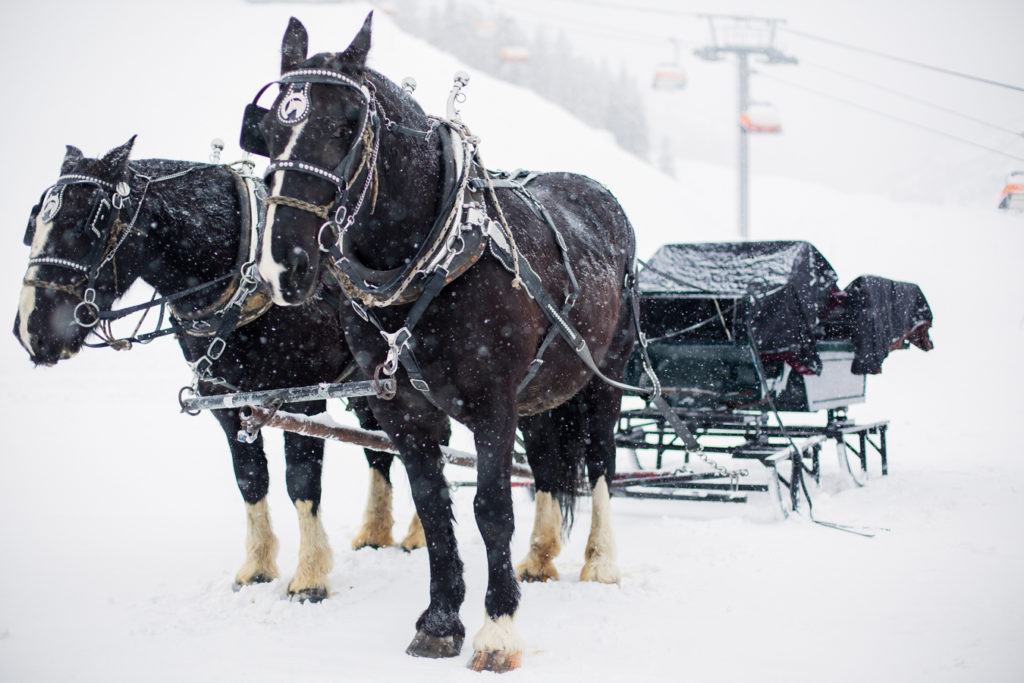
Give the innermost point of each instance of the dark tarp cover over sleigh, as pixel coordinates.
(879, 316)
(700, 293)
(793, 284)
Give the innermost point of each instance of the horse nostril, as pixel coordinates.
(298, 267)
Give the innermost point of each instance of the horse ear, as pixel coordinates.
(355, 54)
(294, 46)
(117, 158)
(72, 156)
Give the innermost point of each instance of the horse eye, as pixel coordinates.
(338, 134)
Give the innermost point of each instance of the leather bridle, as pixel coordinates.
(338, 216)
(107, 202)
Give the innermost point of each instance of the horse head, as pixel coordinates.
(320, 135)
(75, 232)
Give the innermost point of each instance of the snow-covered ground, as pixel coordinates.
(121, 526)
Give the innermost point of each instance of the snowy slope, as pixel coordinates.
(852, 119)
(121, 526)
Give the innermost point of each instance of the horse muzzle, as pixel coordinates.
(291, 280)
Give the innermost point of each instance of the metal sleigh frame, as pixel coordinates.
(742, 435)
(721, 394)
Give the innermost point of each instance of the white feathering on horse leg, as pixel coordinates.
(377, 518)
(545, 541)
(315, 557)
(600, 554)
(497, 646)
(260, 546)
(415, 536)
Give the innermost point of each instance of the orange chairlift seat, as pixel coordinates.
(761, 117)
(1013, 192)
(515, 53)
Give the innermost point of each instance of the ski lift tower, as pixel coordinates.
(743, 37)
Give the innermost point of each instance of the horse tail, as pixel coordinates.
(574, 441)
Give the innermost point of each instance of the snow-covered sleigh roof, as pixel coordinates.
(788, 291)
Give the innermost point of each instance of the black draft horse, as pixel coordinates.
(475, 341)
(181, 224)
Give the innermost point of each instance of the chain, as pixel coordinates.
(202, 368)
(733, 475)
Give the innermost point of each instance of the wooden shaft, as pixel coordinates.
(322, 427)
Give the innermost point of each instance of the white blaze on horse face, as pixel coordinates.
(27, 303)
(270, 270)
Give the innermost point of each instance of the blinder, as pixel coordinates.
(251, 139)
(30, 229)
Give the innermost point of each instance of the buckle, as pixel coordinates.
(397, 342)
(359, 309)
(216, 348)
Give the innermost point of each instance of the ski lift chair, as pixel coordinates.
(1013, 192)
(761, 117)
(669, 76)
(515, 53)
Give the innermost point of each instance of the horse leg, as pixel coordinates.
(415, 537)
(602, 411)
(304, 460)
(253, 479)
(377, 520)
(417, 429)
(553, 462)
(497, 646)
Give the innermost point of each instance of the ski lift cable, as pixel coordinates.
(628, 7)
(876, 53)
(912, 98)
(891, 117)
(597, 28)
(594, 30)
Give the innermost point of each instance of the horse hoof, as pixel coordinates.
(372, 540)
(435, 647)
(254, 579)
(414, 544)
(600, 573)
(528, 573)
(498, 662)
(313, 594)
(415, 538)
